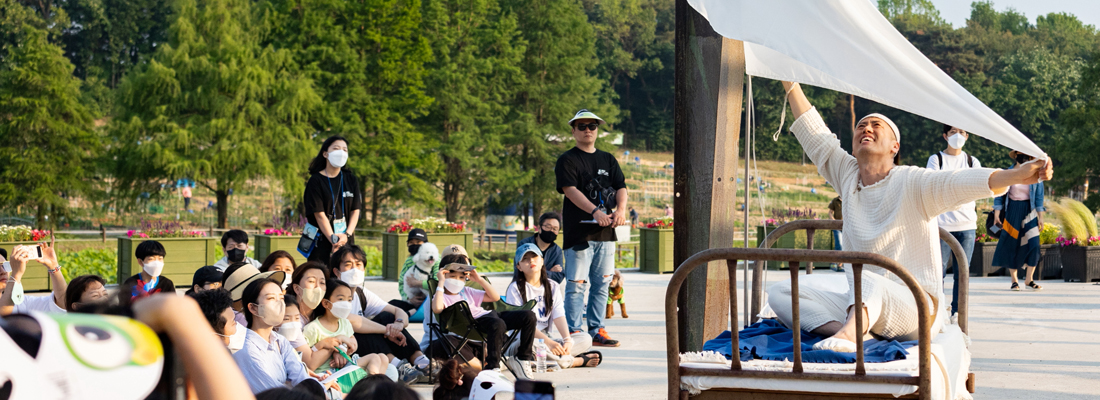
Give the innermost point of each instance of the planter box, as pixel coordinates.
(35, 278)
(1050, 263)
(394, 250)
(184, 256)
(1080, 263)
(823, 240)
(266, 244)
(982, 262)
(520, 235)
(656, 251)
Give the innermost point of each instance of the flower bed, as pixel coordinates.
(656, 246)
(22, 233)
(163, 230)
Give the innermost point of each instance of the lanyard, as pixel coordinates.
(342, 209)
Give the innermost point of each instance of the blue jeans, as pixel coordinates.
(966, 239)
(836, 241)
(593, 267)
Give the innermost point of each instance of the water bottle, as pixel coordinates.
(540, 356)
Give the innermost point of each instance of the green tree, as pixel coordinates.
(47, 143)
(107, 38)
(1079, 146)
(477, 50)
(215, 106)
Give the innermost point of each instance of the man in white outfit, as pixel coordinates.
(962, 222)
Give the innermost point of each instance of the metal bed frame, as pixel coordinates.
(796, 257)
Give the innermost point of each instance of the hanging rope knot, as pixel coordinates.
(783, 113)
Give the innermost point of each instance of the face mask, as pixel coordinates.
(312, 296)
(290, 330)
(1022, 158)
(235, 255)
(354, 277)
(453, 285)
(341, 309)
(153, 268)
(271, 314)
(286, 281)
(338, 158)
(548, 237)
(236, 342)
(414, 249)
(956, 141)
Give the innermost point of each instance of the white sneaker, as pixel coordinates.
(520, 369)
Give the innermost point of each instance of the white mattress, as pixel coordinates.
(950, 366)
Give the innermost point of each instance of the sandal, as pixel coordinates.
(1033, 285)
(1015, 286)
(589, 356)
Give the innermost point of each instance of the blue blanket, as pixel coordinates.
(770, 340)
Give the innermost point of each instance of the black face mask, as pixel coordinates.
(547, 236)
(413, 249)
(1022, 158)
(235, 255)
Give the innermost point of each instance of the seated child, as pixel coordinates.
(331, 321)
(452, 289)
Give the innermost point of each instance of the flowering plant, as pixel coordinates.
(285, 227)
(277, 232)
(429, 225)
(780, 217)
(770, 221)
(984, 238)
(1048, 234)
(22, 233)
(163, 229)
(661, 223)
(1064, 241)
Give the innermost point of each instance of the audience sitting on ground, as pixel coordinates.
(150, 255)
(452, 289)
(86, 291)
(330, 321)
(267, 360)
(217, 307)
(12, 287)
(205, 278)
(531, 282)
(280, 260)
(377, 387)
(417, 237)
(235, 245)
(552, 255)
(240, 275)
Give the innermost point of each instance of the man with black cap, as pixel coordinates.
(416, 238)
(206, 278)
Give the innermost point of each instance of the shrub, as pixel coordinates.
(102, 262)
(1086, 216)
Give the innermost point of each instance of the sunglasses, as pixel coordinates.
(584, 127)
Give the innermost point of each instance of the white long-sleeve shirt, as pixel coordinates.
(268, 365)
(895, 217)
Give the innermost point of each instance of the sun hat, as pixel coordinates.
(525, 248)
(585, 114)
(238, 278)
(453, 249)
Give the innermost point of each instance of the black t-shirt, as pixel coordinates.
(319, 196)
(585, 171)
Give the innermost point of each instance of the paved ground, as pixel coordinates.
(1026, 345)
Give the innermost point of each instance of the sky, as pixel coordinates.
(1088, 11)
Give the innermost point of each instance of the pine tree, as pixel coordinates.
(215, 106)
(47, 143)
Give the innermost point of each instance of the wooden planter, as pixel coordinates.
(267, 244)
(823, 240)
(982, 262)
(35, 279)
(184, 256)
(656, 248)
(394, 250)
(520, 235)
(1080, 263)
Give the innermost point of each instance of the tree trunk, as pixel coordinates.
(452, 187)
(40, 216)
(852, 111)
(223, 208)
(374, 202)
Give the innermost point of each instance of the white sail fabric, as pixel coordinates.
(848, 46)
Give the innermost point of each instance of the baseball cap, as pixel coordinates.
(585, 114)
(417, 233)
(525, 248)
(454, 249)
(206, 275)
(238, 276)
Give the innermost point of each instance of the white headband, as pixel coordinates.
(897, 133)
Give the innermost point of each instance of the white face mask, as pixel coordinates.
(153, 268)
(291, 330)
(341, 309)
(354, 277)
(286, 281)
(271, 313)
(956, 141)
(338, 158)
(453, 285)
(236, 341)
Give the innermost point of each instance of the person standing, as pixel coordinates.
(549, 227)
(186, 191)
(1018, 244)
(962, 222)
(332, 199)
(594, 204)
(633, 218)
(836, 212)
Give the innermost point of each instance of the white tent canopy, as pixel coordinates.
(848, 46)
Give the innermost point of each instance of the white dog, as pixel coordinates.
(423, 261)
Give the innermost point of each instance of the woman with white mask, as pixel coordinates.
(150, 255)
(332, 200)
(267, 360)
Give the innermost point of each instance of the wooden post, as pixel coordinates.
(710, 74)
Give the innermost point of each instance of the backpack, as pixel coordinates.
(969, 160)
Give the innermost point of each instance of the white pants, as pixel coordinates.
(582, 342)
(891, 308)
